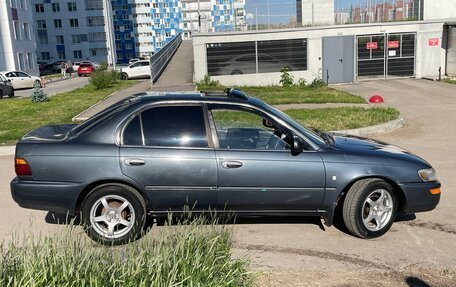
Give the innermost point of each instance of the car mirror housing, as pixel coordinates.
(297, 146)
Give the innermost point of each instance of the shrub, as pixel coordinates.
(318, 83)
(103, 79)
(208, 82)
(103, 66)
(193, 254)
(286, 79)
(39, 96)
(302, 83)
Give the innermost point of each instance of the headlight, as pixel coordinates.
(428, 174)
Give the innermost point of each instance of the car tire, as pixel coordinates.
(370, 208)
(37, 84)
(12, 94)
(114, 214)
(124, 76)
(1, 94)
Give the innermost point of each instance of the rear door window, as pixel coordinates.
(168, 126)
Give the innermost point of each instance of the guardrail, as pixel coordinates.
(160, 60)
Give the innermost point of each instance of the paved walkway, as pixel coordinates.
(178, 75)
(141, 87)
(56, 87)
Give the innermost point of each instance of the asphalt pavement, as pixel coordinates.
(303, 252)
(53, 88)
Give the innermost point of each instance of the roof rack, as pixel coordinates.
(229, 92)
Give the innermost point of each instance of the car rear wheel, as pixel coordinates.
(114, 214)
(370, 208)
(1, 94)
(124, 76)
(12, 94)
(37, 84)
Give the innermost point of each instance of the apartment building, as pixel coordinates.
(17, 40)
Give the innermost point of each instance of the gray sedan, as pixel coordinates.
(154, 154)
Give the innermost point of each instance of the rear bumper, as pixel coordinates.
(58, 197)
(419, 198)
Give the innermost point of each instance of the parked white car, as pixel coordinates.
(21, 80)
(76, 66)
(139, 69)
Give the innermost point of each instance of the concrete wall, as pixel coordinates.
(428, 59)
(439, 9)
(317, 12)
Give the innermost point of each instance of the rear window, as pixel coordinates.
(85, 65)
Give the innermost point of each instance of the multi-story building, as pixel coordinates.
(70, 30)
(166, 18)
(17, 40)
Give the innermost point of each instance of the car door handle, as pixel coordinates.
(231, 164)
(134, 162)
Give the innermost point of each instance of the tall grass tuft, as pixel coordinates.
(193, 254)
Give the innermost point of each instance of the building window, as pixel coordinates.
(17, 33)
(274, 55)
(13, 4)
(117, 37)
(41, 24)
(20, 57)
(55, 7)
(59, 39)
(57, 23)
(76, 39)
(117, 27)
(39, 8)
(93, 52)
(45, 56)
(61, 55)
(127, 27)
(30, 60)
(26, 31)
(128, 46)
(72, 7)
(43, 39)
(118, 46)
(77, 54)
(128, 55)
(127, 36)
(231, 58)
(119, 56)
(22, 5)
(74, 23)
(125, 17)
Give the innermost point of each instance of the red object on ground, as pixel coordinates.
(376, 99)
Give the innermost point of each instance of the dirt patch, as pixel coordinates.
(430, 225)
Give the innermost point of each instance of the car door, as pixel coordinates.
(257, 170)
(166, 150)
(145, 68)
(25, 80)
(134, 70)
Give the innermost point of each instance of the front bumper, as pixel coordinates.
(57, 197)
(418, 197)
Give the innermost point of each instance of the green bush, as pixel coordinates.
(103, 79)
(207, 82)
(193, 254)
(39, 96)
(103, 66)
(302, 83)
(318, 83)
(286, 79)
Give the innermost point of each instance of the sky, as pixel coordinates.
(280, 11)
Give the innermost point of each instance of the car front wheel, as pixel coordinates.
(124, 76)
(370, 208)
(114, 214)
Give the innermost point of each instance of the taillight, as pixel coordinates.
(22, 168)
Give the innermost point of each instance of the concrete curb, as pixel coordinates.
(364, 132)
(375, 130)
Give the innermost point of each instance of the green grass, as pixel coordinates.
(276, 95)
(193, 254)
(18, 116)
(333, 119)
(329, 119)
(450, 81)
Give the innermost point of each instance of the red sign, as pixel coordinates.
(393, 44)
(434, 42)
(372, 45)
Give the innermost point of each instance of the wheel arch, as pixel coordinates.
(98, 183)
(402, 200)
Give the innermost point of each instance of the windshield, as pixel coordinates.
(2, 78)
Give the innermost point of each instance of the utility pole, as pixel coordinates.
(199, 17)
(256, 18)
(268, 14)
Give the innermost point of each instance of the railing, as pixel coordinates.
(160, 60)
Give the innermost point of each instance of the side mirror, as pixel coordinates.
(298, 146)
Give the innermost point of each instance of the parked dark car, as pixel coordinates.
(6, 88)
(85, 69)
(153, 154)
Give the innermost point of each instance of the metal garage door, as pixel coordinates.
(338, 59)
(386, 55)
(451, 52)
